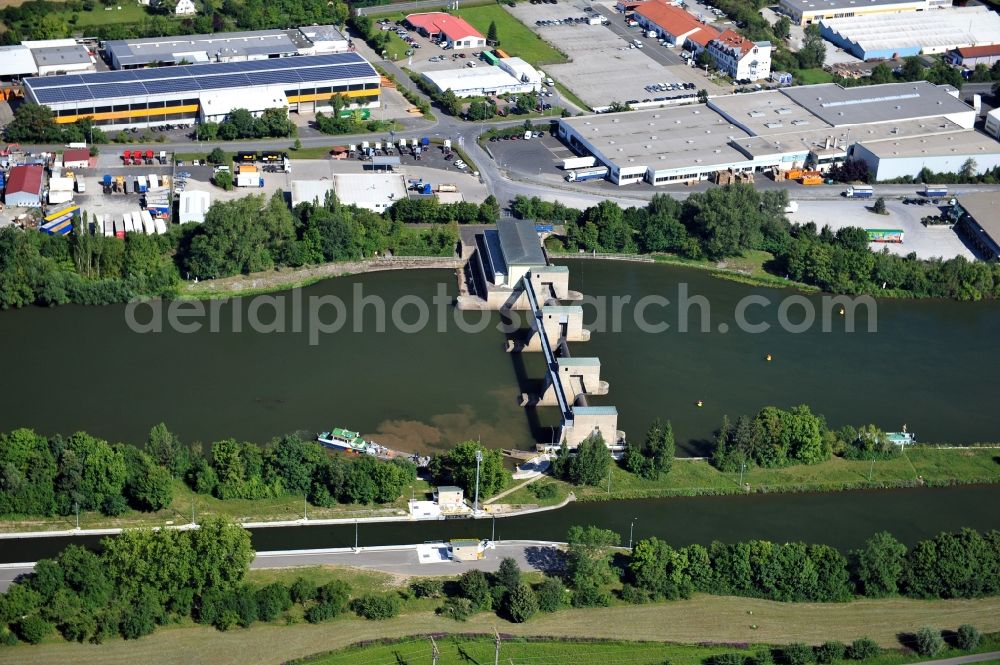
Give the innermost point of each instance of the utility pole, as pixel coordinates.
(192, 513)
(305, 508)
(475, 504)
(609, 480)
(871, 469)
(76, 507)
(493, 536)
(631, 530)
(743, 466)
(355, 534)
(435, 652)
(496, 642)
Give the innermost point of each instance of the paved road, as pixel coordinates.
(400, 561)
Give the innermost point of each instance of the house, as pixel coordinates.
(452, 31)
(24, 187)
(468, 549)
(449, 497)
(674, 24)
(739, 57)
(970, 56)
(185, 8)
(76, 158)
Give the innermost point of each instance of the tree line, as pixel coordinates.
(244, 235)
(241, 124)
(33, 123)
(728, 221)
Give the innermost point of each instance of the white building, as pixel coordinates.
(478, 81)
(216, 105)
(450, 31)
(942, 153)
(993, 123)
(804, 12)
(16, 61)
(739, 57)
(373, 191)
(310, 191)
(185, 8)
(521, 71)
(193, 206)
(61, 56)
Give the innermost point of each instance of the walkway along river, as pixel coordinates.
(841, 519)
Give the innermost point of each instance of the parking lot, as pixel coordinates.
(604, 66)
(925, 241)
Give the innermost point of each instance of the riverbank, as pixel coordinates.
(920, 466)
(284, 279)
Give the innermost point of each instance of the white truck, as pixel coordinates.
(578, 163)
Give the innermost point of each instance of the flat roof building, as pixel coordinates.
(193, 206)
(893, 127)
(60, 56)
(479, 81)
(980, 223)
(804, 12)
(372, 191)
(143, 97)
(890, 36)
(310, 191)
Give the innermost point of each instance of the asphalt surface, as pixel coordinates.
(402, 561)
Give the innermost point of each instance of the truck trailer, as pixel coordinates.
(582, 175)
(935, 191)
(578, 163)
(859, 192)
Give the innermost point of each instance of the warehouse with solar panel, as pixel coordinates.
(186, 94)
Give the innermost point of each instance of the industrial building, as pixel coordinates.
(192, 207)
(898, 128)
(522, 71)
(674, 24)
(225, 47)
(180, 94)
(24, 187)
(980, 224)
(739, 57)
(61, 56)
(890, 36)
(480, 81)
(804, 12)
(15, 62)
(310, 191)
(76, 158)
(992, 127)
(510, 251)
(374, 191)
(451, 31)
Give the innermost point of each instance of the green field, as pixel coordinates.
(515, 38)
(812, 76)
(701, 619)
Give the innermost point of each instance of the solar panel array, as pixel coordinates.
(293, 71)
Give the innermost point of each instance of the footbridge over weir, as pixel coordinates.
(510, 272)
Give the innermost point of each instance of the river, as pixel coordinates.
(931, 365)
(841, 519)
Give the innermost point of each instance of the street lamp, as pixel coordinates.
(475, 503)
(631, 529)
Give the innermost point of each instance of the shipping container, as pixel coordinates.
(936, 191)
(119, 228)
(161, 226)
(147, 222)
(578, 163)
(127, 223)
(140, 185)
(154, 182)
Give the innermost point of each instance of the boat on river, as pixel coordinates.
(345, 439)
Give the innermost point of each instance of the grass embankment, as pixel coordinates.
(238, 510)
(812, 76)
(515, 37)
(920, 465)
(702, 619)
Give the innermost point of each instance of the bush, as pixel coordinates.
(798, 654)
(459, 609)
(761, 656)
(543, 490)
(863, 648)
(336, 594)
(114, 505)
(727, 659)
(321, 612)
(967, 637)
(830, 651)
(929, 642)
(635, 595)
(33, 629)
(427, 588)
(302, 590)
(551, 595)
(7, 638)
(272, 600)
(377, 607)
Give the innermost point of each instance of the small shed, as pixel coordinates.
(467, 549)
(76, 158)
(449, 497)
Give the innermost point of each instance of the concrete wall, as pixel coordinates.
(586, 424)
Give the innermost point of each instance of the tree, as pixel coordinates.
(881, 73)
(702, 96)
(378, 606)
(33, 629)
(969, 169)
(474, 586)
(217, 156)
(167, 450)
(967, 637)
(272, 600)
(458, 467)
(782, 28)
(508, 576)
(223, 179)
(302, 590)
(797, 654)
(656, 456)
(588, 561)
(879, 207)
(550, 594)
(830, 652)
(149, 485)
(491, 34)
(863, 648)
(592, 462)
(521, 603)
(880, 565)
(813, 51)
(929, 642)
(33, 123)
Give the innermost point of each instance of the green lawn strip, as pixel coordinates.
(121, 13)
(812, 76)
(515, 37)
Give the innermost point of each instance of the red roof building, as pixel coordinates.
(76, 157)
(970, 56)
(24, 186)
(739, 57)
(674, 24)
(454, 31)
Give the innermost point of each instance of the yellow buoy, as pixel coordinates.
(700, 403)
(841, 311)
(769, 357)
